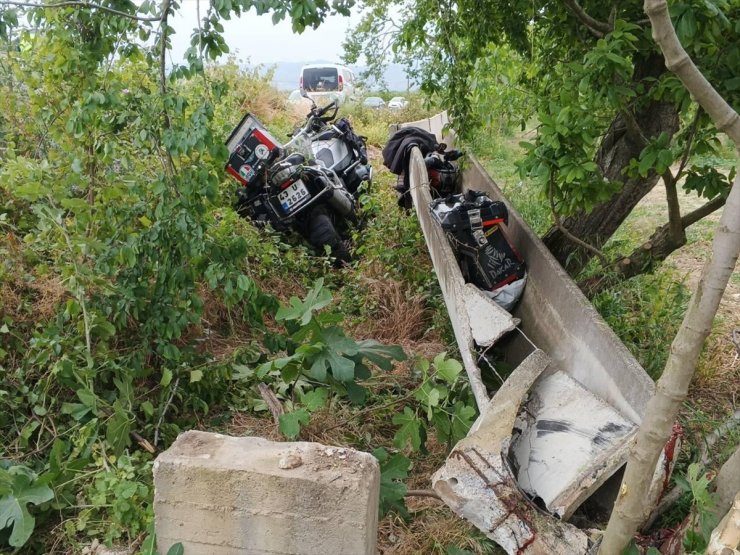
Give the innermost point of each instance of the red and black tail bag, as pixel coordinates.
(472, 223)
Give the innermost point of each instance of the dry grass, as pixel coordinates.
(432, 529)
(34, 300)
(281, 288)
(396, 315)
(248, 424)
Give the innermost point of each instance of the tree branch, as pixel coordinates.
(679, 62)
(676, 233)
(689, 142)
(596, 27)
(80, 4)
(703, 211)
(568, 234)
(163, 78)
(656, 249)
(633, 128)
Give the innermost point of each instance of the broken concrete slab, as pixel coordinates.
(563, 433)
(221, 495)
(725, 538)
(488, 321)
(463, 300)
(477, 483)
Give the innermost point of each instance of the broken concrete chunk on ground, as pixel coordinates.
(221, 495)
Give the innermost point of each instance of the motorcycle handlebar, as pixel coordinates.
(325, 109)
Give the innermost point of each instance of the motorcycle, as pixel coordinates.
(302, 185)
(334, 144)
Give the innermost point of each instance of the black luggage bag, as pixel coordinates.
(472, 223)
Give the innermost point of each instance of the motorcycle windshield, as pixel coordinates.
(300, 144)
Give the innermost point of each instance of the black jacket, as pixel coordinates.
(396, 152)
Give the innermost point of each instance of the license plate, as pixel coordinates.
(293, 196)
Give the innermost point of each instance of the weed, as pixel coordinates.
(645, 312)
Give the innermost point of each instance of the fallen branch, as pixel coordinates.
(143, 443)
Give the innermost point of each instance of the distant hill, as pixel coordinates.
(287, 73)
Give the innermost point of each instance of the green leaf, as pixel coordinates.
(646, 162)
(335, 339)
(196, 375)
(19, 486)
(166, 377)
(243, 283)
(316, 299)
(462, 420)
(379, 354)
(343, 369)
(410, 431)
(393, 470)
(631, 549)
(76, 410)
(316, 399)
(318, 368)
(356, 393)
(176, 549)
(147, 408)
(118, 429)
(442, 425)
(447, 369)
(87, 397)
(290, 423)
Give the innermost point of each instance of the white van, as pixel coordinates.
(325, 82)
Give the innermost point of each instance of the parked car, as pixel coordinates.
(397, 103)
(327, 82)
(374, 102)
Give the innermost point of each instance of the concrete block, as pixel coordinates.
(221, 495)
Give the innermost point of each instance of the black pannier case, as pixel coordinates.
(472, 223)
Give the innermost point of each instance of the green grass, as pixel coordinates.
(499, 156)
(646, 312)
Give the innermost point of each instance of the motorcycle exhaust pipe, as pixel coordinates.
(340, 199)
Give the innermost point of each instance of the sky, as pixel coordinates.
(256, 39)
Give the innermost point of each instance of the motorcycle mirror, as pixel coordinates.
(304, 94)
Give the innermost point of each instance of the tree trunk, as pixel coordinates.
(617, 148)
(631, 507)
